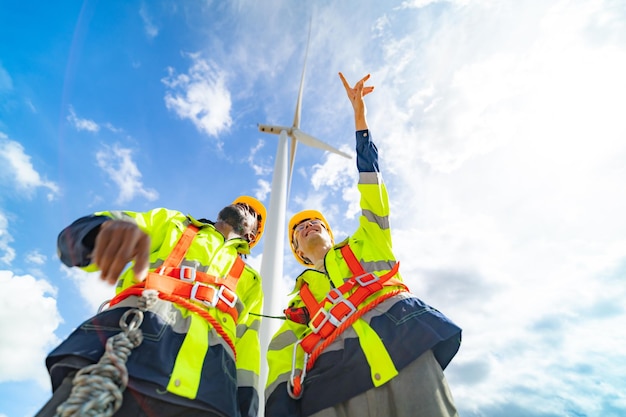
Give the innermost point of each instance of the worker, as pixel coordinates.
(200, 353)
(356, 342)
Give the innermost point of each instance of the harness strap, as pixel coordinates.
(296, 388)
(220, 297)
(353, 263)
(328, 324)
(182, 285)
(324, 321)
(182, 246)
(190, 274)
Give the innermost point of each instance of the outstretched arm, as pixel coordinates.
(374, 220)
(355, 95)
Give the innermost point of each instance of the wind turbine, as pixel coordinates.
(274, 244)
(294, 131)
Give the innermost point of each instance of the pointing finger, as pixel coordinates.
(345, 82)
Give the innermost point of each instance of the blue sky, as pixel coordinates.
(502, 138)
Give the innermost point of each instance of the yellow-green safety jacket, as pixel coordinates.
(182, 358)
(379, 344)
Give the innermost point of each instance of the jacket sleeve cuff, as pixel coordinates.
(76, 242)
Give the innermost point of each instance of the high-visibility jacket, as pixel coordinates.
(182, 359)
(379, 344)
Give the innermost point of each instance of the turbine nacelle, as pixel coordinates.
(297, 135)
(274, 129)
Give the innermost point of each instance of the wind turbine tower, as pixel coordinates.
(274, 244)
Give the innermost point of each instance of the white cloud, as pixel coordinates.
(7, 253)
(500, 131)
(255, 260)
(17, 166)
(150, 28)
(117, 162)
(112, 128)
(381, 26)
(336, 173)
(92, 289)
(253, 160)
(27, 325)
(418, 4)
(200, 95)
(334, 184)
(82, 124)
(502, 143)
(35, 257)
(90, 125)
(263, 190)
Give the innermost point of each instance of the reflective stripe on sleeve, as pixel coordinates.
(381, 221)
(370, 178)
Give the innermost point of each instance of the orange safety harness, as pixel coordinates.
(328, 323)
(188, 287)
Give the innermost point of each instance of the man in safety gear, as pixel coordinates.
(200, 353)
(356, 342)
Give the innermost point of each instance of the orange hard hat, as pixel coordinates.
(259, 208)
(299, 218)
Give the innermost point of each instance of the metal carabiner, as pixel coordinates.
(135, 322)
(104, 306)
(292, 378)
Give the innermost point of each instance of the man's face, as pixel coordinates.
(310, 233)
(242, 218)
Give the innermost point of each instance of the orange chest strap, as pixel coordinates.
(182, 246)
(190, 284)
(324, 321)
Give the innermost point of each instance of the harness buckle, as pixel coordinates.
(227, 296)
(366, 279)
(334, 295)
(194, 292)
(183, 273)
(224, 294)
(315, 324)
(351, 309)
(333, 315)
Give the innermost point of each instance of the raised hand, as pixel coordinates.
(355, 95)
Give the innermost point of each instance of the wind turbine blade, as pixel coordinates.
(292, 157)
(296, 118)
(316, 143)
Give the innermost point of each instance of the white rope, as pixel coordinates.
(98, 388)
